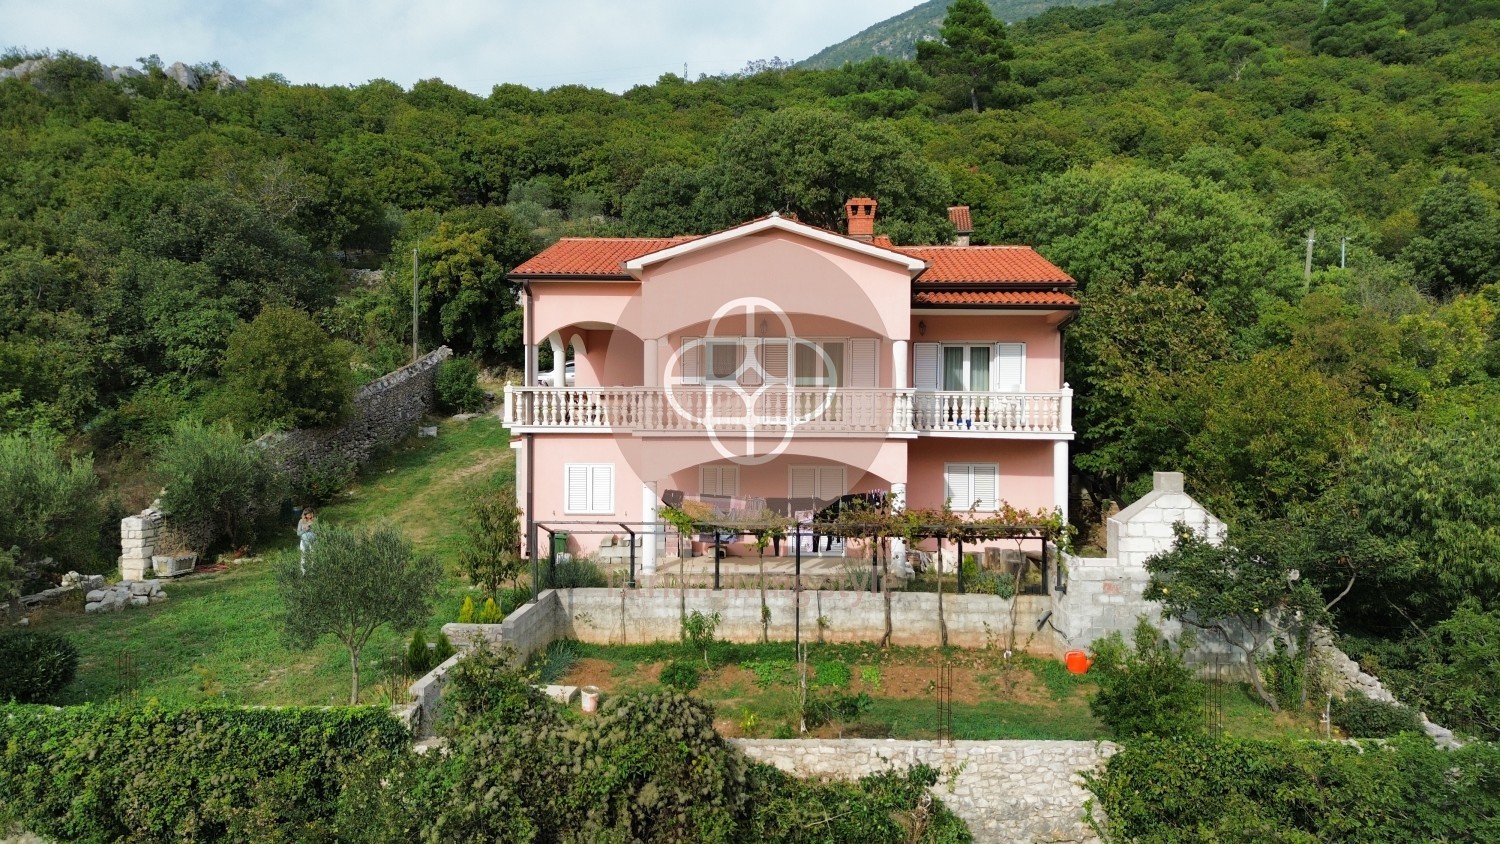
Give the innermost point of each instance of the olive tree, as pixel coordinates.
(354, 582)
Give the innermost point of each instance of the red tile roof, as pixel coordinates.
(985, 265)
(592, 256)
(993, 298)
(959, 215)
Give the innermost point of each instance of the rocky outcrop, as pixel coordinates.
(1349, 678)
(185, 76)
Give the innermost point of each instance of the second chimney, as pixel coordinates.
(861, 215)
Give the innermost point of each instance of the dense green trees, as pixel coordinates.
(972, 54)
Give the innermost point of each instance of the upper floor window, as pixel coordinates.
(971, 367)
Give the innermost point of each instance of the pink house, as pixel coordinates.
(783, 365)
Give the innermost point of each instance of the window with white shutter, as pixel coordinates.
(589, 488)
(972, 486)
(719, 480)
(864, 362)
(927, 371)
(692, 360)
(1009, 369)
(773, 360)
(824, 483)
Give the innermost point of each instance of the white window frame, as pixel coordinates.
(821, 378)
(969, 346)
(590, 471)
(712, 343)
(951, 496)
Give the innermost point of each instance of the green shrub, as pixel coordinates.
(835, 708)
(575, 573)
(418, 659)
(680, 674)
(550, 665)
(512, 599)
(217, 485)
(1364, 717)
(457, 386)
(320, 481)
(34, 666)
(111, 773)
(698, 629)
(491, 613)
(1195, 788)
(442, 648)
(485, 690)
(466, 611)
(832, 674)
(1145, 689)
(49, 503)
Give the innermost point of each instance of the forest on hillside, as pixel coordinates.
(1172, 155)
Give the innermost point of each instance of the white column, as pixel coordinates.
(898, 546)
(899, 365)
(1060, 476)
(649, 516)
(559, 359)
(648, 357)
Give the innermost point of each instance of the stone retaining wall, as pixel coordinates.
(633, 616)
(1007, 791)
(384, 412)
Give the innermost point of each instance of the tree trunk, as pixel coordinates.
(354, 670)
(886, 570)
(765, 611)
(974, 99)
(942, 619)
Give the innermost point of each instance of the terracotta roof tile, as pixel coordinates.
(592, 256)
(993, 298)
(985, 265)
(959, 215)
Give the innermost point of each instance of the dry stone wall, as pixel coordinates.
(384, 412)
(1007, 791)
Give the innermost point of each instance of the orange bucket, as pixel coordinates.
(1078, 661)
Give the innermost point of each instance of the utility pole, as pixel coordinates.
(414, 352)
(1307, 267)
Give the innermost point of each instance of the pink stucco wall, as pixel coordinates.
(1025, 469)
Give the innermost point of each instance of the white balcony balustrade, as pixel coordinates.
(813, 410)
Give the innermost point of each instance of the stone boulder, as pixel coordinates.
(223, 81)
(184, 76)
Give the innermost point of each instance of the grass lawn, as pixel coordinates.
(753, 690)
(216, 637)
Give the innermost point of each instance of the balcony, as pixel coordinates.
(688, 409)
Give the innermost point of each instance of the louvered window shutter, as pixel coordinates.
(773, 360)
(864, 365)
(927, 366)
(602, 489)
(750, 353)
(986, 485)
(957, 488)
(804, 482)
(692, 360)
(830, 482)
(729, 480)
(1009, 369)
(576, 492)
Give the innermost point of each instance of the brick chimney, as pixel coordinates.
(861, 216)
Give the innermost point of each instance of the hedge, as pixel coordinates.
(1200, 789)
(108, 773)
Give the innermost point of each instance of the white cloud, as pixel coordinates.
(468, 43)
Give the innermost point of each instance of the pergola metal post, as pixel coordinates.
(551, 555)
(631, 582)
(718, 549)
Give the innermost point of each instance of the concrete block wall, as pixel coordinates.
(616, 616)
(1007, 791)
(1105, 594)
(529, 629)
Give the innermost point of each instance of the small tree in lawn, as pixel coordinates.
(355, 582)
(491, 553)
(699, 629)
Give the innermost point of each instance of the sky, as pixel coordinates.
(472, 44)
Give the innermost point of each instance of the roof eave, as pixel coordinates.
(636, 266)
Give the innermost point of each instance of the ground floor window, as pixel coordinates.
(825, 483)
(972, 486)
(589, 488)
(722, 481)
